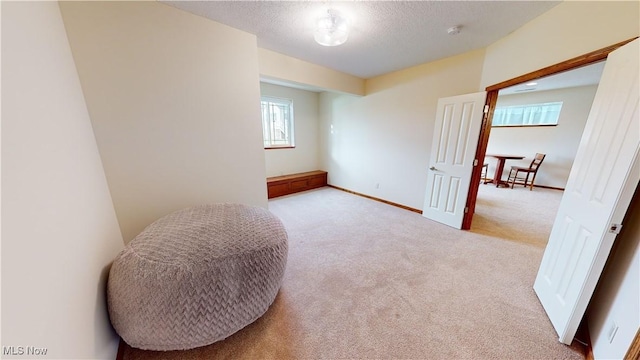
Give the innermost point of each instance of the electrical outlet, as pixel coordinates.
(613, 329)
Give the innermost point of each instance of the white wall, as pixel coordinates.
(305, 156)
(59, 229)
(384, 138)
(560, 142)
(617, 297)
(174, 100)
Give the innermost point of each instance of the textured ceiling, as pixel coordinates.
(385, 35)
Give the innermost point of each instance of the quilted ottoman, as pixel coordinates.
(196, 276)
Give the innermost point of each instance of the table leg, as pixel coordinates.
(497, 177)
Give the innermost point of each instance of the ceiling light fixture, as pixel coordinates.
(331, 29)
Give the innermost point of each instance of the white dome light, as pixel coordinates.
(331, 29)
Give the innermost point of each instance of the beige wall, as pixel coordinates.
(174, 102)
(560, 142)
(276, 66)
(570, 29)
(59, 228)
(305, 156)
(616, 301)
(379, 144)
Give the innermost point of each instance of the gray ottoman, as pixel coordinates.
(196, 276)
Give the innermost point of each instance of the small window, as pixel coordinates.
(527, 115)
(277, 122)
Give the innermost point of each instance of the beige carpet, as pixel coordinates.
(366, 280)
(516, 214)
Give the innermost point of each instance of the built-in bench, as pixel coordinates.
(293, 183)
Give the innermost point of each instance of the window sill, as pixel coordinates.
(511, 126)
(279, 147)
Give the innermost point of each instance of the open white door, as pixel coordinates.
(601, 183)
(455, 139)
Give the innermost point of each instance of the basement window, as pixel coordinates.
(545, 114)
(277, 122)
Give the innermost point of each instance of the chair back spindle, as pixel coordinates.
(537, 160)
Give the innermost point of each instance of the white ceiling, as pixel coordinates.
(583, 76)
(385, 35)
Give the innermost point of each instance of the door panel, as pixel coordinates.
(602, 180)
(455, 139)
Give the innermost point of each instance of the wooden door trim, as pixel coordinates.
(570, 64)
(481, 150)
(634, 349)
(492, 98)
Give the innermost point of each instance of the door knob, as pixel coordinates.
(433, 168)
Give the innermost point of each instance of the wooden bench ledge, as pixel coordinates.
(293, 183)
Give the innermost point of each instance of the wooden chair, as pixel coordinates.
(525, 172)
(485, 170)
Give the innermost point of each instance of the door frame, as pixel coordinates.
(492, 99)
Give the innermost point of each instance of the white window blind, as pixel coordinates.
(277, 122)
(527, 115)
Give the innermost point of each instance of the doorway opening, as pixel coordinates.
(609, 149)
(491, 101)
(519, 214)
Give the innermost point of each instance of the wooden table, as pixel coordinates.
(497, 177)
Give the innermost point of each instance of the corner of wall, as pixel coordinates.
(59, 229)
(174, 100)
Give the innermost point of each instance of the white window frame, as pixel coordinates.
(543, 114)
(277, 122)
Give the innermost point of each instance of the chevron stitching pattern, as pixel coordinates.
(197, 276)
